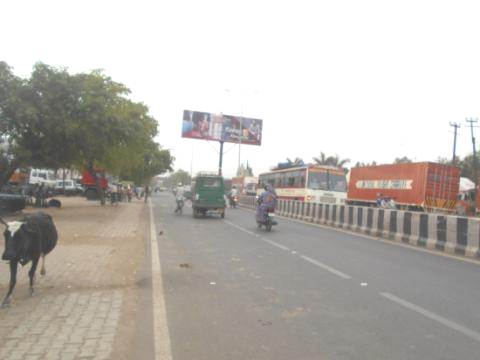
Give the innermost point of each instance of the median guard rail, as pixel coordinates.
(451, 234)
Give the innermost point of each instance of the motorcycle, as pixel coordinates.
(268, 220)
(179, 208)
(233, 201)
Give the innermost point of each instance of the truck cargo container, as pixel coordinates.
(414, 186)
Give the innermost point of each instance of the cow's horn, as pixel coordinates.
(3, 222)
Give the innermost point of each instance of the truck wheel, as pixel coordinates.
(91, 194)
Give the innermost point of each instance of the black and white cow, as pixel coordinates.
(26, 240)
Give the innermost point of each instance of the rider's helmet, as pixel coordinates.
(179, 184)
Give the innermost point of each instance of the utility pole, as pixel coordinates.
(475, 175)
(456, 126)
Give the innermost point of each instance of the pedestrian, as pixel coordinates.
(147, 192)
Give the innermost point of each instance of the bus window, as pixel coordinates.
(337, 183)
(291, 180)
(317, 181)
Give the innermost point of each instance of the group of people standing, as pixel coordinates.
(386, 202)
(120, 192)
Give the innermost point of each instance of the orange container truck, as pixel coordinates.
(414, 186)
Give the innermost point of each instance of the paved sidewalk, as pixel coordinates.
(82, 308)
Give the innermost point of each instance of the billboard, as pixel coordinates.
(220, 127)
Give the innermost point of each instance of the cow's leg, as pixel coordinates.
(31, 273)
(42, 269)
(13, 281)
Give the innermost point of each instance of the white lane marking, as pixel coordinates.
(161, 335)
(275, 244)
(256, 235)
(326, 267)
(448, 323)
(390, 242)
(242, 229)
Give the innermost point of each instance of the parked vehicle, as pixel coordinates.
(413, 186)
(90, 186)
(208, 193)
(42, 176)
(68, 187)
(10, 203)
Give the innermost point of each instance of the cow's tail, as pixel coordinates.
(43, 271)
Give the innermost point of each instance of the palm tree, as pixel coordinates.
(331, 160)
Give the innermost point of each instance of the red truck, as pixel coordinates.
(414, 186)
(88, 182)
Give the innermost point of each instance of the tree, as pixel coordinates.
(402, 160)
(466, 166)
(331, 160)
(109, 128)
(244, 170)
(142, 166)
(362, 164)
(179, 176)
(54, 119)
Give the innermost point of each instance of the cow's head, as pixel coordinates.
(16, 240)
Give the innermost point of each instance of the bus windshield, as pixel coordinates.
(327, 181)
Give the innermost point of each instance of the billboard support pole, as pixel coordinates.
(220, 161)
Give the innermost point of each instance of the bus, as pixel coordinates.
(309, 183)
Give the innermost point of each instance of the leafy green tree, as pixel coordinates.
(180, 176)
(362, 164)
(335, 160)
(244, 170)
(402, 160)
(466, 166)
(54, 119)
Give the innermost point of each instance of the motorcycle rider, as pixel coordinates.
(233, 194)
(179, 197)
(266, 202)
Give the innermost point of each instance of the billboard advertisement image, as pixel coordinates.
(220, 127)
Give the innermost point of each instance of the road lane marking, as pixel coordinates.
(371, 237)
(275, 244)
(256, 235)
(161, 334)
(242, 229)
(326, 267)
(440, 319)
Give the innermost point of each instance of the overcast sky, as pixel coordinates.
(367, 80)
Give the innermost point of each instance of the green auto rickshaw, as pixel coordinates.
(208, 195)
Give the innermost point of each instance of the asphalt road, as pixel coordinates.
(306, 292)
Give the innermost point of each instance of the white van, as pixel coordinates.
(42, 176)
